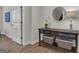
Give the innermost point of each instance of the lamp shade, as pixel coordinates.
(72, 13)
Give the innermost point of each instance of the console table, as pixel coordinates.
(56, 33)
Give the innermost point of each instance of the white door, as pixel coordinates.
(16, 25)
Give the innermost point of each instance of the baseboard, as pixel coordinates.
(25, 43)
(34, 42)
(30, 42)
(8, 36)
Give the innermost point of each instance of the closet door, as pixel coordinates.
(16, 25)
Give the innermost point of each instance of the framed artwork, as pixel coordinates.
(7, 17)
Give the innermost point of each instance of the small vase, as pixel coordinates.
(71, 28)
(46, 26)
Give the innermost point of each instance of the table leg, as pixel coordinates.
(39, 38)
(76, 43)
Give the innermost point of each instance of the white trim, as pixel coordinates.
(33, 42)
(12, 38)
(8, 35)
(30, 42)
(25, 43)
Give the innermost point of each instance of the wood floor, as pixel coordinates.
(9, 46)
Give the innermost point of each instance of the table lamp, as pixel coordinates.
(72, 13)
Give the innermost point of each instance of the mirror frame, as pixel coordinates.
(59, 13)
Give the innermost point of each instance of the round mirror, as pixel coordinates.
(59, 13)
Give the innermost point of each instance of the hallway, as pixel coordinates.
(21, 24)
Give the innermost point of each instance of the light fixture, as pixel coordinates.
(72, 13)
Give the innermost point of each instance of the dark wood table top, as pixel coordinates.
(61, 30)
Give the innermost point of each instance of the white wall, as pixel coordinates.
(36, 23)
(31, 24)
(26, 25)
(1, 19)
(64, 24)
(8, 26)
